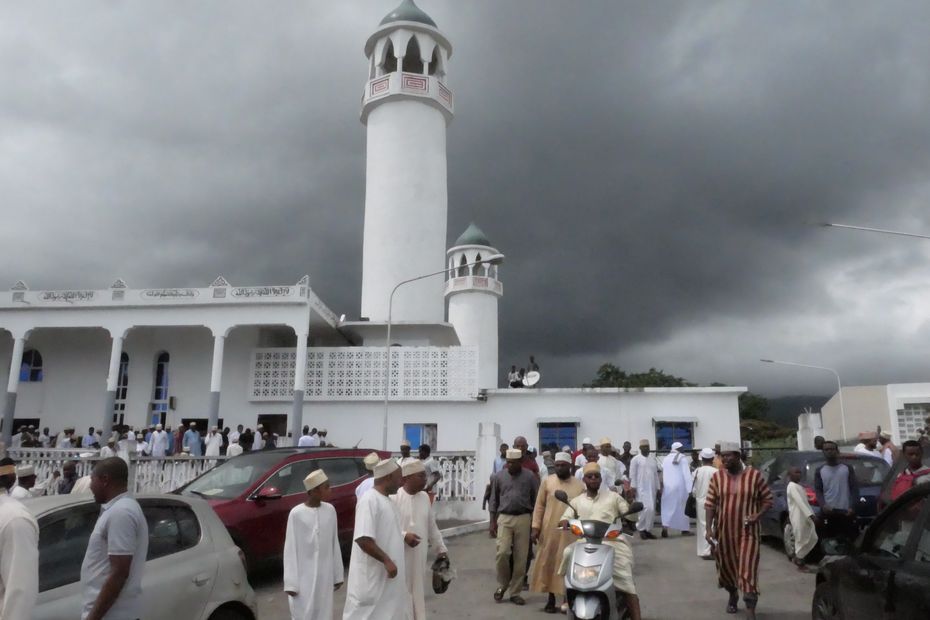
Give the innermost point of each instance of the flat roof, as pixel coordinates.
(525, 392)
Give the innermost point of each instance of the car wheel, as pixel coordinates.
(825, 606)
(787, 540)
(230, 613)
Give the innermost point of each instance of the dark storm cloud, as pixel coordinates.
(650, 169)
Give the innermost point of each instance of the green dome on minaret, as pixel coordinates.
(408, 11)
(472, 236)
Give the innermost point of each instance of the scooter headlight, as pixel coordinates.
(585, 574)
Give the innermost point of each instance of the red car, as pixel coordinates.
(253, 493)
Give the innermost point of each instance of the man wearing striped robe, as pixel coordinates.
(736, 498)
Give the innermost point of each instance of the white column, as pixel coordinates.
(12, 386)
(116, 351)
(300, 384)
(216, 379)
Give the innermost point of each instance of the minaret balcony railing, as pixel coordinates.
(409, 84)
(471, 283)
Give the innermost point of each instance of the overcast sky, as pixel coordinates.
(650, 169)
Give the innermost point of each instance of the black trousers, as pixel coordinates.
(838, 524)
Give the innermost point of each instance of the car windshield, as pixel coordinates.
(235, 476)
(869, 471)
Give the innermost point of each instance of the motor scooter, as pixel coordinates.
(589, 578)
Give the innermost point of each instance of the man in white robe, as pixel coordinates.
(159, 442)
(19, 551)
(377, 589)
(26, 486)
(702, 476)
(803, 523)
(257, 442)
(644, 482)
(676, 486)
(614, 468)
(417, 516)
(142, 446)
(214, 442)
(313, 567)
(368, 483)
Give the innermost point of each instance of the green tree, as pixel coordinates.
(753, 406)
(609, 375)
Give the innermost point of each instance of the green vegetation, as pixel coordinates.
(755, 423)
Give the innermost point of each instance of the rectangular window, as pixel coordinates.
(668, 433)
(554, 435)
(418, 434)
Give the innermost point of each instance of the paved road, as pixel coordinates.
(672, 581)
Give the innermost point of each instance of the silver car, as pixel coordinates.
(193, 569)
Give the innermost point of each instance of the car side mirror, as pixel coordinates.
(268, 493)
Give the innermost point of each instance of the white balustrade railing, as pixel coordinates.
(162, 475)
(457, 482)
(146, 474)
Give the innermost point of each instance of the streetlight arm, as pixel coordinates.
(494, 259)
(839, 385)
(876, 230)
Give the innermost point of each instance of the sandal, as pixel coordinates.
(550, 609)
(731, 605)
(499, 594)
(516, 599)
(563, 608)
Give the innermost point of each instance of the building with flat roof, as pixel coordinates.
(277, 355)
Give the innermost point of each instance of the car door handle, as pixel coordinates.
(201, 580)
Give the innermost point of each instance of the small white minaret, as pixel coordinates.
(406, 107)
(473, 293)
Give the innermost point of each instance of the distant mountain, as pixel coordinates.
(785, 410)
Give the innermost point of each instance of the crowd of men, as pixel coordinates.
(729, 498)
(114, 560)
(395, 526)
(159, 442)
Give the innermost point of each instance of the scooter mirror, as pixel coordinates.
(635, 507)
(561, 496)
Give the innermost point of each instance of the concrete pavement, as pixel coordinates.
(672, 581)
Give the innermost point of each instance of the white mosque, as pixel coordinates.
(228, 354)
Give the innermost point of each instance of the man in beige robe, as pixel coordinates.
(551, 540)
(802, 518)
(417, 518)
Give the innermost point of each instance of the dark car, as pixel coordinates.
(887, 575)
(870, 473)
(884, 497)
(253, 493)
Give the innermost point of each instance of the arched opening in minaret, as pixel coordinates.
(476, 268)
(434, 63)
(412, 61)
(463, 270)
(390, 61)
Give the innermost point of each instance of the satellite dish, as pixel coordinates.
(531, 378)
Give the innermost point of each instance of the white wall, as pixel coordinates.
(405, 211)
(474, 315)
(866, 407)
(74, 393)
(899, 395)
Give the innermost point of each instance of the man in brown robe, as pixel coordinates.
(736, 498)
(545, 532)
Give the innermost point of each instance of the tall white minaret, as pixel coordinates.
(473, 293)
(406, 107)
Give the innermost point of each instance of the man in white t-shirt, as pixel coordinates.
(114, 562)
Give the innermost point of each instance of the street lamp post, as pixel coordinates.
(494, 259)
(839, 385)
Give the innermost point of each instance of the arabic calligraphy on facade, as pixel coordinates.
(68, 296)
(170, 293)
(262, 291)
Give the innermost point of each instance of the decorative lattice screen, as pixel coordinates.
(357, 373)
